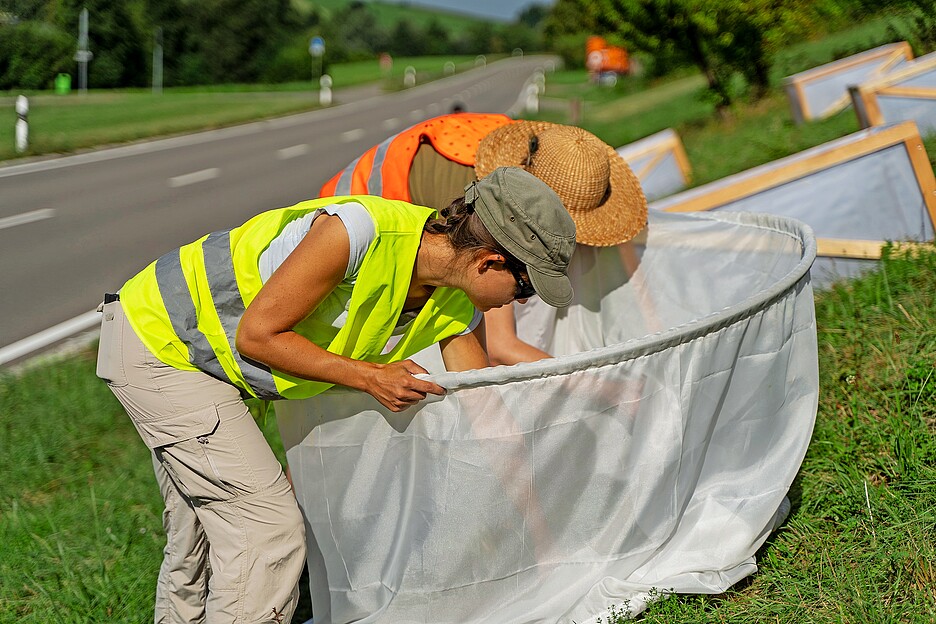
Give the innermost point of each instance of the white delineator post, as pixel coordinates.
(532, 98)
(325, 92)
(22, 126)
(409, 77)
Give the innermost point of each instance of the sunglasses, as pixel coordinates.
(525, 289)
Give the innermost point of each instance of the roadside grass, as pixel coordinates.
(833, 46)
(860, 543)
(81, 532)
(753, 133)
(60, 124)
(81, 536)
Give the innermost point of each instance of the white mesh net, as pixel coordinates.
(650, 456)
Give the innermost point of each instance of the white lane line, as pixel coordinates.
(27, 217)
(390, 124)
(352, 135)
(416, 114)
(195, 177)
(45, 338)
(433, 108)
(292, 152)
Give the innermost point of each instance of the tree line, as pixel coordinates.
(222, 41)
(732, 42)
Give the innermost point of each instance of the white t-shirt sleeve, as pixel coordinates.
(357, 222)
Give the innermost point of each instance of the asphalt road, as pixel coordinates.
(72, 228)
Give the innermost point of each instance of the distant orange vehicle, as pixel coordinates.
(601, 57)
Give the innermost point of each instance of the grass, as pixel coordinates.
(60, 124)
(80, 515)
(81, 537)
(754, 133)
(860, 545)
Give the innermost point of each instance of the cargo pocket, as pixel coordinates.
(178, 427)
(110, 364)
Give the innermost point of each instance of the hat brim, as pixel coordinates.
(553, 288)
(618, 219)
(622, 215)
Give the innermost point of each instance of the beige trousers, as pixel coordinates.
(235, 542)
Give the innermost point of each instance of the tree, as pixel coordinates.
(120, 52)
(721, 37)
(533, 15)
(32, 53)
(436, 37)
(353, 33)
(237, 39)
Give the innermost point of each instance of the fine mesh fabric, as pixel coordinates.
(922, 110)
(650, 456)
(825, 88)
(654, 162)
(875, 197)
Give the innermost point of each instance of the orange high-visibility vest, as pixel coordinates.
(384, 169)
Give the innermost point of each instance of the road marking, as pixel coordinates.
(195, 177)
(27, 217)
(390, 124)
(352, 135)
(416, 114)
(45, 338)
(292, 152)
(433, 108)
(199, 138)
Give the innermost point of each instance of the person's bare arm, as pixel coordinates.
(504, 347)
(466, 352)
(296, 288)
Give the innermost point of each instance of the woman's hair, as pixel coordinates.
(465, 231)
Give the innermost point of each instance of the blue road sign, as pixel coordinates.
(316, 46)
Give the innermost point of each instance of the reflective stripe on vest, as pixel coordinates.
(187, 305)
(226, 297)
(384, 169)
(344, 180)
(375, 182)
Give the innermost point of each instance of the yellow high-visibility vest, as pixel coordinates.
(186, 306)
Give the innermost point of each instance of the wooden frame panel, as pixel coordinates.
(795, 85)
(865, 96)
(772, 175)
(659, 145)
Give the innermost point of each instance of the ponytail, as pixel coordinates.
(464, 229)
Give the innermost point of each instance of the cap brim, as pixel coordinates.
(553, 288)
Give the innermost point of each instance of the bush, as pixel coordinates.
(572, 50)
(32, 53)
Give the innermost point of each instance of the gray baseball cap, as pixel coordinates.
(529, 221)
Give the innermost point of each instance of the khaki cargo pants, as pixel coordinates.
(235, 538)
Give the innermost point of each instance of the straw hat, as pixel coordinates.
(594, 183)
